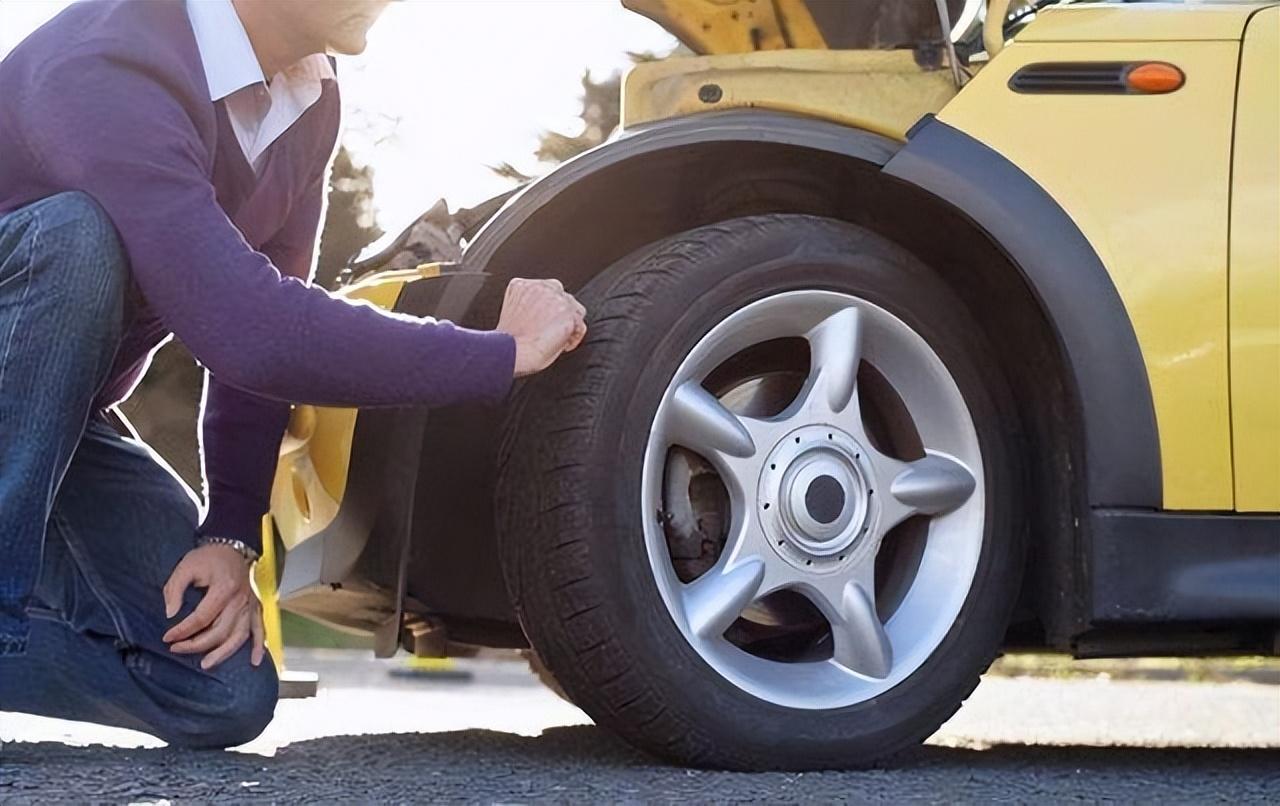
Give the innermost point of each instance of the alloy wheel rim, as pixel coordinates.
(812, 499)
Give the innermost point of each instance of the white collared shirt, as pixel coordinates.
(259, 112)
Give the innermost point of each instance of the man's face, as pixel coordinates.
(338, 26)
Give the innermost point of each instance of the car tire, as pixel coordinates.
(574, 530)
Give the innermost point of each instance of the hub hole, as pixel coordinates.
(898, 562)
(888, 423)
(762, 380)
(695, 513)
(783, 626)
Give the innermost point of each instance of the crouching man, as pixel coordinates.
(162, 170)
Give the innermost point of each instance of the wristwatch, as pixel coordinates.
(250, 556)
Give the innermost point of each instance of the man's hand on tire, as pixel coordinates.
(544, 319)
(227, 616)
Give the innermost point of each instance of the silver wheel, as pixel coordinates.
(813, 504)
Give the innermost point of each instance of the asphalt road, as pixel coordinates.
(501, 739)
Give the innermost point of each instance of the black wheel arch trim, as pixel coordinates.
(1122, 448)
(733, 126)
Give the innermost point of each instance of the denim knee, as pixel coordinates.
(77, 243)
(240, 706)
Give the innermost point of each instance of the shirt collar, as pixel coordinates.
(225, 51)
(227, 55)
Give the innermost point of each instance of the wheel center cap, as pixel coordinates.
(815, 498)
(825, 499)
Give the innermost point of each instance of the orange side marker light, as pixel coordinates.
(1154, 77)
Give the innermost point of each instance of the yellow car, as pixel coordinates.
(904, 349)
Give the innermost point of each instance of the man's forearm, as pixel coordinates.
(240, 442)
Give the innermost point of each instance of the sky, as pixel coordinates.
(449, 87)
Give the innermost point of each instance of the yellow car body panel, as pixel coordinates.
(1140, 22)
(1255, 270)
(265, 572)
(881, 91)
(1146, 179)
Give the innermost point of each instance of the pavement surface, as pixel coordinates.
(374, 735)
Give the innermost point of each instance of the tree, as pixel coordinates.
(601, 114)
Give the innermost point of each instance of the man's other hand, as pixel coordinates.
(227, 616)
(545, 321)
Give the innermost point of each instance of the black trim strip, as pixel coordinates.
(1082, 78)
(1071, 77)
(1167, 567)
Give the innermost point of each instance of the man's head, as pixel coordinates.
(317, 26)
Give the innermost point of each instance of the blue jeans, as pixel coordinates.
(91, 525)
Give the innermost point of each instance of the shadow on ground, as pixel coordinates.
(586, 764)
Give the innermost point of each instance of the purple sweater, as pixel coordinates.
(110, 98)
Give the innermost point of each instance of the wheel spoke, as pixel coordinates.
(695, 419)
(715, 600)
(858, 636)
(932, 485)
(835, 347)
